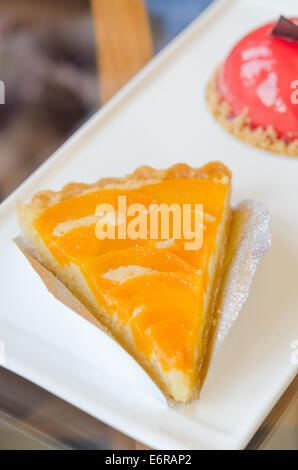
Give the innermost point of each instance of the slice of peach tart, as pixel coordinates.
(152, 288)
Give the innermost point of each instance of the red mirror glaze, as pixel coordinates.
(258, 74)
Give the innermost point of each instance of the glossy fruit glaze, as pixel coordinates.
(163, 304)
(257, 75)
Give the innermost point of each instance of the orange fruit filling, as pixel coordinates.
(154, 287)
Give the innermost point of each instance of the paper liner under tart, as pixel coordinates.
(249, 240)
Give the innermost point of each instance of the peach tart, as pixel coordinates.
(155, 296)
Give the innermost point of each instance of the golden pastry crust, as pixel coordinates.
(142, 175)
(44, 199)
(239, 126)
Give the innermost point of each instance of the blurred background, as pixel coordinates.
(48, 65)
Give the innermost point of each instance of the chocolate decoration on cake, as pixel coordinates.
(285, 29)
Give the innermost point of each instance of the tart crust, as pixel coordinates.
(140, 175)
(239, 126)
(27, 213)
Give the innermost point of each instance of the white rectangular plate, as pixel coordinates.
(160, 118)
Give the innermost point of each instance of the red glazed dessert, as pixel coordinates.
(254, 94)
